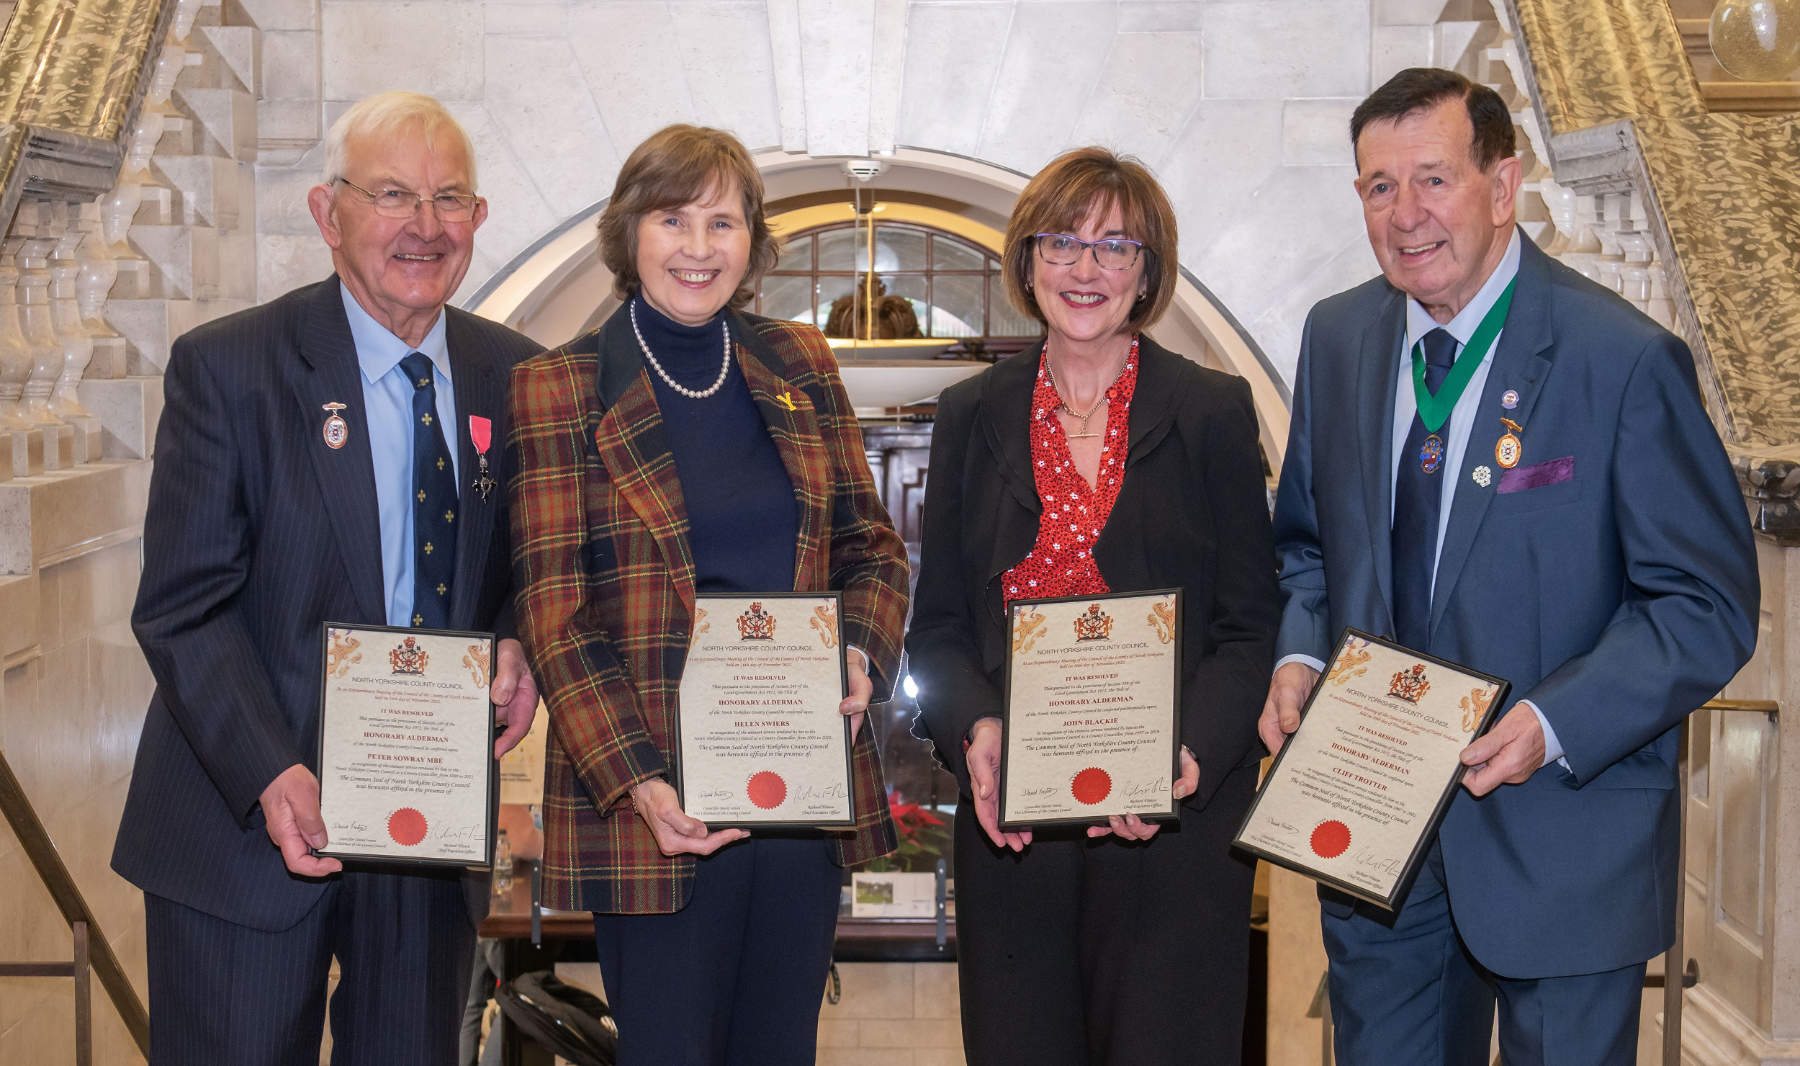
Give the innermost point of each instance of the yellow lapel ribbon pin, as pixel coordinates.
(787, 401)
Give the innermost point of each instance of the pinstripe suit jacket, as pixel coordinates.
(605, 583)
(256, 533)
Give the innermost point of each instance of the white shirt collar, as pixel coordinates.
(378, 350)
(1419, 321)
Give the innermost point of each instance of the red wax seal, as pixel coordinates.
(406, 826)
(1091, 785)
(766, 789)
(1330, 839)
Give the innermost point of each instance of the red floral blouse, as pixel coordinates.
(1061, 563)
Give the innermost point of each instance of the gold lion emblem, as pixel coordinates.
(1353, 663)
(824, 620)
(342, 653)
(1474, 705)
(476, 662)
(1027, 628)
(1162, 619)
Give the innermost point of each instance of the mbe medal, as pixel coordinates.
(481, 435)
(336, 431)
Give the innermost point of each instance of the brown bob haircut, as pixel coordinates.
(676, 166)
(1083, 182)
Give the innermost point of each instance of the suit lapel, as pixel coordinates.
(1521, 363)
(1006, 390)
(788, 415)
(1378, 375)
(1154, 401)
(330, 374)
(633, 446)
(480, 391)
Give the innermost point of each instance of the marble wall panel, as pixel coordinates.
(1406, 12)
(1262, 50)
(551, 121)
(287, 261)
(370, 47)
(1153, 15)
(272, 14)
(1316, 132)
(1344, 261)
(517, 211)
(20, 601)
(1227, 150)
(526, 19)
(631, 69)
(1149, 84)
(290, 64)
(725, 50)
(837, 40)
(1043, 85)
(1392, 49)
(281, 207)
(944, 78)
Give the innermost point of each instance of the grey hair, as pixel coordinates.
(392, 113)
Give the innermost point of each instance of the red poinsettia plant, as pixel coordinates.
(924, 838)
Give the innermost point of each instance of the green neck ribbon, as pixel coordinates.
(1434, 410)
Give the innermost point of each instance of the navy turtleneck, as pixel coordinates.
(743, 519)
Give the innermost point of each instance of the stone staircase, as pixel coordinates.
(91, 296)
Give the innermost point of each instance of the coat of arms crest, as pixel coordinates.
(1093, 624)
(408, 657)
(756, 624)
(1410, 685)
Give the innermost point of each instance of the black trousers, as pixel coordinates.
(225, 993)
(737, 976)
(1106, 953)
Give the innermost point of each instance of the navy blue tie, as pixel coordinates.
(1418, 496)
(434, 501)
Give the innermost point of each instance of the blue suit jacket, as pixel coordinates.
(256, 533)
(1618, 599)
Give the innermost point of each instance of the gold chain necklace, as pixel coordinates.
(1064, 403)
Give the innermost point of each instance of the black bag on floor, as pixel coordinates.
(560, 1018)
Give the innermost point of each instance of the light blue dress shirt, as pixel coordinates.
(1457, 430)
(387, 403)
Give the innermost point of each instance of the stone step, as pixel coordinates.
(214, 191)
(226, 118)
(55, 515)
(150, 325)
(234, 56)
(128, 410)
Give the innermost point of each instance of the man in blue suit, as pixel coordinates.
(1553, 507)
(328, 456)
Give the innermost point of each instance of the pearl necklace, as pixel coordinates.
(692, 394)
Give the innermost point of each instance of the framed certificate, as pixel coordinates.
(1357, 793)
(406, 745)
(1093, 709)
(761, 741)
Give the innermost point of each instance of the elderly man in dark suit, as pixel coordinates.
(326, 456)
(1551, 506)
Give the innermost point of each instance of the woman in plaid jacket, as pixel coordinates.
(686, 448)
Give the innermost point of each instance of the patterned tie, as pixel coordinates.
(1418, 496)
(434, 493)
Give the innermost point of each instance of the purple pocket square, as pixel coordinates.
(1536, 476)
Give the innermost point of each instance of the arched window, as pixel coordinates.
(952, 285)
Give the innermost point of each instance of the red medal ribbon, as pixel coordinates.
(481, 433)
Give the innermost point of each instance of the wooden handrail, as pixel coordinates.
(56, 877)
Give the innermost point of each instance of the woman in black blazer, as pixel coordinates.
(1127, 943)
